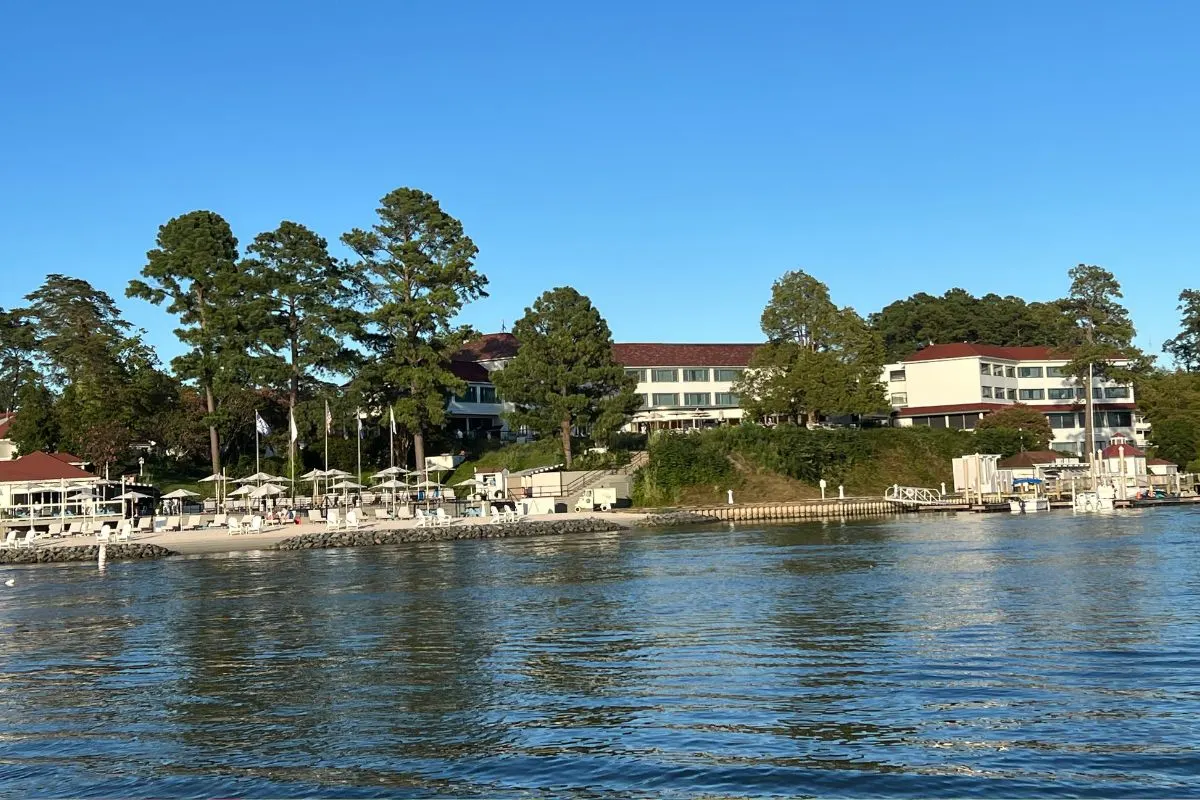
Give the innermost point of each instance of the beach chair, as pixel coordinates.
(382, 514)
(193, 523)
(219, 521)
(104, 534)
(30, 539)
(256, 524)
(334, 520)
(11, 539)
(86, 527)
(75, 528)
(55, 531)
(423, 520)
(443, 519)
(352, 521)
(496, 516)
(145, 525)
(314, 516)
(126, 531)
(234, 525)
(173, 524)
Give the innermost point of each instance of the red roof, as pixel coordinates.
(67, 458)
(6, 421)
(488, 347)
(683, 355)
(1045, 408)
(470, 371)
(1160, 462)
(39, 466)
(1113, 451)
(968, 349)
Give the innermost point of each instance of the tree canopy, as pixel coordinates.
(1184, 348)
(818, 358)
(564, 376)
(1019, 426)
(415, 271)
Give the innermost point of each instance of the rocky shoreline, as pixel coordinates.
(87, 552)
(671, 518)
(380, 536)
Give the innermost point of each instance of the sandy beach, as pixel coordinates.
(219, 540)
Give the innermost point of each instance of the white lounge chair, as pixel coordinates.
(424, 520)
(382, 514)
(145, 525)
(443, 519)
(314, 516)
(193, 523)
(256, 524)
(352, 521)
(75, 528)
(11, 539)
(55, 530)
(104, 534)
(29, 540)
(126, 531)
(334, 520)
(219, 521)
(173, 524)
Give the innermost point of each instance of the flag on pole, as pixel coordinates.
(295, 434)
(328, 419)
(261, 425)
(358, 419)
(392, 414)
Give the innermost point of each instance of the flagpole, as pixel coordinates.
(358, 419)
(326, 476)
(256, 468)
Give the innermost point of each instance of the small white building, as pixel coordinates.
(1161, 467)
(955, 385)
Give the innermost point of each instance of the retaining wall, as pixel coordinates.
(86, 552)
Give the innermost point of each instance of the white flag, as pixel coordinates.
(358, 419)
(261, 425)
(292, 425)
(328, 419)
(392, 413)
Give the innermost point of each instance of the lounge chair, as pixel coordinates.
(193, 523)
(256, 524)
(30, 540)
(126, 531)
(11, 539)
(497, 517)
(145, 525)
(424, 520)
(75, 528)
(334, 520)
(55, 530)
(352, 521)
(173, 524)
(382, 514)
(104, 534)
(314, 516)
(219, 521)
(443, 519)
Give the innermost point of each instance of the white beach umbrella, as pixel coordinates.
(179, 494)
(214, 479)
(131, 496)
(427, 485)
(390, 472)
(266, 490)
(392, 484)
(471, 482)
(241, 490)
(346, 485)
(258, 477)
(337, 473)
(313, 475)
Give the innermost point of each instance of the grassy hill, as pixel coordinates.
(787, 462)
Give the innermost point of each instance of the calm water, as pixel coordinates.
(975, 655)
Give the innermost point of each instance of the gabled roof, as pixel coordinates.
(68, 458)
(970, 349)
(1160, 462)
(39, 466)
(1031, 458)
(1114, 451)
(489, 347)
(645, 354)
(6, 421)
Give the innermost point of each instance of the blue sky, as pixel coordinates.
(670, 160)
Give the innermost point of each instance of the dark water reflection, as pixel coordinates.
(964, 656)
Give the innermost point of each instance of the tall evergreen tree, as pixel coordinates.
(194, 269)
(36, 425)
(818, 358)
(1185, 348)
(17, 343)
(415, 271)
(564, 375)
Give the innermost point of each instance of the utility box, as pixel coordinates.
(596, 500)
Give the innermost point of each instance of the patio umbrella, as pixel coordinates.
(266, 490)
(179, 494)
(389, 472)
(392, 484)
(132, 496)
(346, 485)
(313, 475)
(241, 490)
(337, 473)
(214, 479)
(259, 477)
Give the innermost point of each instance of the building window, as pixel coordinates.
(1116, 392)
(1012, 394)
(487, 394)
(937, 422)
(640, 374)
(998, 370)
(1056, 372)
(695, 375)
(1032, 394)
(987, 391)
(642, 400)
(666, 399)
(985, 368)
(726, 374)
(899, 398)
(1062, 394)
(727, 399)
(958, 421)
(469, 396)
(1113, 419)
(896, 375)
(1029, 372)
(665, 376)
(1062, 420)
(970, 421)
(695, 399)
(1009, 372)
(1097, 393)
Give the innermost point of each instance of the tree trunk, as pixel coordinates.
(566, 442)
(214, 441)
(419, 450)
(293, 395)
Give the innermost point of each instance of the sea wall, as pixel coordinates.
(88, 552)
(378, 536)
(804, 509)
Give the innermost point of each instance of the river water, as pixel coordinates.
(973, 655)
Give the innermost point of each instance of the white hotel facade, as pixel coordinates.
(955, 385)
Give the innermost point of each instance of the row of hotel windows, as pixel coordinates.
(1098, 393)
(1102, 419)
(693, 375)
(999, 370)
(692, 399)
